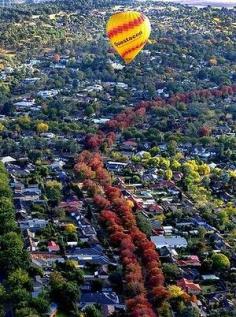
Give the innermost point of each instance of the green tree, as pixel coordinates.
(172, 147)
(66, 293)
(89, 111)
(154, 150)
(7, 222)
(41, 303)
(144, 224)
(35, 155)
(24, 121)
(223, 217)
(202, 232)
(190, 312)
(97, 285)
(92, 311)
(53, 191)
(19, 295)
(18, 278)
(165, 310)
(207, 265)
(3, 295)
(171, 271)
(12, 247)
(26, 312)
(72, 273)
(4, 187)
(220, 261)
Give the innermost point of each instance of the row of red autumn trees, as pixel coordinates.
(144, 281)
(129, 117)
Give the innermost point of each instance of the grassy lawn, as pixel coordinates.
(206, 289)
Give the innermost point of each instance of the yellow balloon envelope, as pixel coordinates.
(128, 33)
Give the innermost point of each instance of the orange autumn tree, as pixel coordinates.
(101, 202)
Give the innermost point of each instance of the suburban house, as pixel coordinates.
(93, 255)
(47, 93)
(171, 242)
(191, 260)
(115, 166)
(45, 260)
(33, 224)
(7, 159)
(129, 145)
(189, 287)
(101, 298)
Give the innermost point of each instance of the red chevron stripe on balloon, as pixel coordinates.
(133, 49)
(126, 26)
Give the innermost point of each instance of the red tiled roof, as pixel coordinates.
(155, 208)
(195, 287)
(163, 183)
(191, 260)
(189, 285)
(53, 246)
(130, 143)
(43, 256)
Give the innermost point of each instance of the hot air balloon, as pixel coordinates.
(128, 33)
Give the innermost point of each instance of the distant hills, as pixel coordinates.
(200, 3)
(197, 3)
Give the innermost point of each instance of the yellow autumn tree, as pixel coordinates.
(70, 228)
(175, 165)
(71, 264)
(175, 291)
(191, 166)
(160, 218)
(213, 61)
(168, 174)
(130, 203)
(164, 162)
(2, 127)
(232, 173)
(178, 156)
(146, 155)
(204, 169)
(42, 127)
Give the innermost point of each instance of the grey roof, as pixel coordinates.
(33, 223)
(93, 255)
(96, 250)
(103, 298)
(169, 241)
(94, 259)
(212, 277)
